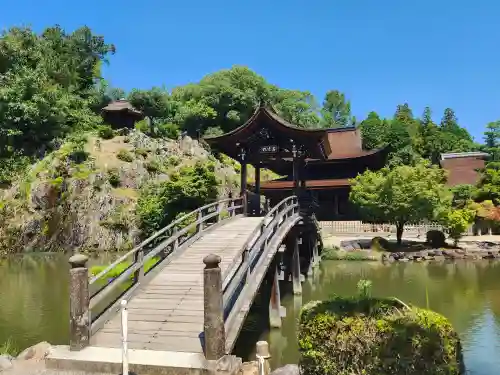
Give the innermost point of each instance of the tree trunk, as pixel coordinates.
(399, 232)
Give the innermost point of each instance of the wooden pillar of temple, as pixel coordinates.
(295, 168)
(243, 181)
(257, 189)
(302, 174)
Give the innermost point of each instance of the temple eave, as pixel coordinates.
(311, 184)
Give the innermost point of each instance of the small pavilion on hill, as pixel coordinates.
(121, 114)
(316, 163)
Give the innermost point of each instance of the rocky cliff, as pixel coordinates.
(84, 195)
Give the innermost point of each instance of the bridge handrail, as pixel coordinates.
(256, 231)
(229, 205)
(232, 280)
(159, 233)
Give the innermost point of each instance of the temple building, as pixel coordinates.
(315, 162)
(121, 114)
(463, 167)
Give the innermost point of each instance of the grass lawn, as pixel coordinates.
(120, 268)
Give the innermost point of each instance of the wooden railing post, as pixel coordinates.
(244, 197)
(215, 335)
(263, 355)
(220, 207)
(200, 223)
(231, 209)
(79, 303)
(138, 258)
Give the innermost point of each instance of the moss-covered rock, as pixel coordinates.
(370, 336)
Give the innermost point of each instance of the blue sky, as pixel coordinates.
(440, 53)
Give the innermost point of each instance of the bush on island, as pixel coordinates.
(379, 244)
(436, 238)
(376, 336)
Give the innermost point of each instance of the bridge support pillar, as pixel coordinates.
(275, 301)
(296, 279)
(310, 252)
(215, 334)
(315, 253)
(79, 303)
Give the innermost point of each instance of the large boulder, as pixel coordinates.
(369, 336)
(5, 362)
(36, 352)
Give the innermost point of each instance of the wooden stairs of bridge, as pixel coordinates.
(167, 313)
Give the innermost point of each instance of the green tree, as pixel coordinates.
(463, 195)
(226, 98)
(492, 140)
(402, 194)
(430, 147)
(488, 187)
(456, 222)
(489, 184)
(336, 111)
(454, 138)
(374, 131)
(162, 202)
(297, 107)
(154, 103)
(47, 85)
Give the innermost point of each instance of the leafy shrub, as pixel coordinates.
(118, 219)
(168, 130)
(173, 160)
(375, 336)
(187, 221)
(12, 166)
(141, 152)
(114, 177)
(188, 189)
(152, 166)
(214, 131)
(379, 244)
(105, 132)
(125, 155)
(436, 238)
(457, 221)
(142, 126)
(335, 253)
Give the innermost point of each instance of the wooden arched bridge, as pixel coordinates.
(189, 287)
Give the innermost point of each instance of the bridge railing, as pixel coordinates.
(121, 278)
(242, 272)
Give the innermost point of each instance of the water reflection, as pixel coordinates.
(465, 292)
(34, 303)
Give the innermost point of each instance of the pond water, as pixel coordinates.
(467, 293)
(34, 303)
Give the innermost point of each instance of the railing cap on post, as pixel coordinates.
(78, 261)
(262, 349)
(212, 261)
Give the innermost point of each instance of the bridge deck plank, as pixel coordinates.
(167, 313)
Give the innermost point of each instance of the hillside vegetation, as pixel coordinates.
(68, 181)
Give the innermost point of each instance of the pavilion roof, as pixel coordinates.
(121, 105)
(315, 140)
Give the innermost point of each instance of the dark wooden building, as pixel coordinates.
(120, 114)
(463, 167)
(317, 163)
